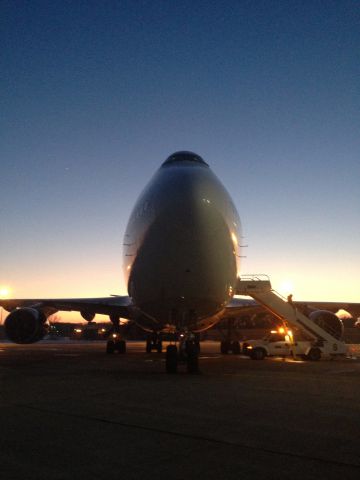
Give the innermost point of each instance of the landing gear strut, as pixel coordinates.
(229, 344)
(115, 343)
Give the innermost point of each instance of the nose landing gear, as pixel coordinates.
(188, 352)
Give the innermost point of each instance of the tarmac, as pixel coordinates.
(68, 410)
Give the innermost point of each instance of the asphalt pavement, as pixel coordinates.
(69, 410)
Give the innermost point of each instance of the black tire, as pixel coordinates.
(121, 346)
(314, 355)
(171, 359)
(159, 346)
(224, 347)
(258, 354)
(192, 357)
(148, 346)
(235, 347)
(110, 347)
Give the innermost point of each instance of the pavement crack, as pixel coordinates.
(189, 436)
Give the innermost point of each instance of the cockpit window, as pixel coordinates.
(184, 157)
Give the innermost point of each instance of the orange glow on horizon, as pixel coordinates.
(4, 292)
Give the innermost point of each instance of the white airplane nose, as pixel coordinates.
(184, 265)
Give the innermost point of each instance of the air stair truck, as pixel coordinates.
(324, 328)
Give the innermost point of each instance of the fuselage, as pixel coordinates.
(182, 247)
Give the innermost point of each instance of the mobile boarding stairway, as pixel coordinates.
(324, 340)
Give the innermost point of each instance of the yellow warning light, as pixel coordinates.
(281, 330)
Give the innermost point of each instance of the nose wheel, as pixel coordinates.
(188, 353)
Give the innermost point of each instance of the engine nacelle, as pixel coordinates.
(25, 325)
(87, 315)
(329, 322)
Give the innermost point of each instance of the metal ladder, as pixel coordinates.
(259, 288)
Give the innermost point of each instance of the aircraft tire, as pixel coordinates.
(121, 346)
(171, 359)
(159, 346)
(192, 360)
(148, 346)
(224, 347)
(110, 347)
(235, 347)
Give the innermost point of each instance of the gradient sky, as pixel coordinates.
(95, 95)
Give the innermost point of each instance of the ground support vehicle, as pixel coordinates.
(322, 327)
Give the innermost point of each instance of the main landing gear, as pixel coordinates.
(229, 344)
(154, 342)
(115, 343)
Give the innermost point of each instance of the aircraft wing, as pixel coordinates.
(115, 305)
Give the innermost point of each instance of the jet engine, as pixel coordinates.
(329, 322)
(87, 315)
(25, 325)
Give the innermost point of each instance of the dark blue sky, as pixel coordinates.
(95, 95)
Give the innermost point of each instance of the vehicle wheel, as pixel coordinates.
(171, 359)
(148, 346)
(235, 347)
(110, 346)
(121, 346)
(159, 346)
(314, 355)
(258, 354)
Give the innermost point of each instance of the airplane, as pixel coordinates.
(181, 261)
